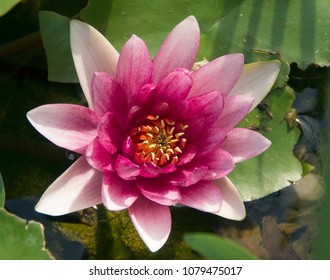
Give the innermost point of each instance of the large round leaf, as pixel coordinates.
(297, 29)
(21, 240)
(277, 167)
(214, 247)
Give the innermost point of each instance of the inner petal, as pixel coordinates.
(158, 140)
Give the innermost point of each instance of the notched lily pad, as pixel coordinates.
(277, 167)
(21, 240)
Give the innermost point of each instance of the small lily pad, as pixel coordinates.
(214, 247)
(21, 240)
(277, 167)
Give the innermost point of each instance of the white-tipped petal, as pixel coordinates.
(232, 206)
(79, 187)
(152, 221)
(256, 80)
(91, 53)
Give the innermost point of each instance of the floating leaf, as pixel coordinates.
(277, 167)
(297, 29)
(214, 247)
(7, 5)
(55, 31)
(21, 240)
(2, 193)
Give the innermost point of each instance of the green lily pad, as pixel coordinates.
(277, 167)
(214, 247)
(297, 29)
(21, 240)
(7, 5)
(55, 30)
(2, 193)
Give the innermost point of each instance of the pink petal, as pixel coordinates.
(110, 134)
(159, 192)
(134, 67)
(243, 144)
(91, 53)
(235, 108)
(257, 80)
(152, 221)
(220, 74)
(188, 155)
(212, 137)
(175, 86)
(118, 194)
(179, 49)
(187, 175)
(219, 164)
(232, 204)
(107, 96)
(69, 126)
(203, 196)
(149, 170)
(207, 106)
(126, 169)
(100, 158)
(77, 188)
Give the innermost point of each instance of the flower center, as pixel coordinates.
(158, 141)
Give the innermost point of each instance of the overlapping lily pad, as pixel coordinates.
(214, 247)
(21, 240)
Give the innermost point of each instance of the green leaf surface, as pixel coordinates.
(7, 5)
(277, 167)
(55, 31)
(297, 29)
(214, 247)
(21, 240)
(2, 193)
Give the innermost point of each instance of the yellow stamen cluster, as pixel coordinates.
(158, 141)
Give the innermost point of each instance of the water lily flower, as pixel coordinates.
(155, 134)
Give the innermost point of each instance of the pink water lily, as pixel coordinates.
(155, 134)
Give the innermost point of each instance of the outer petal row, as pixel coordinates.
(69, 126)
(256, 80)
(79, 187)
(91, 52)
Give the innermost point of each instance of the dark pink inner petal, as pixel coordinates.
(110, 133)
(219, 163)
(207, 106)
(186, 175)
(174, 86)
(100, 158)
(134, 67)
(160, 192)
(126, 169)
(107, 96)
